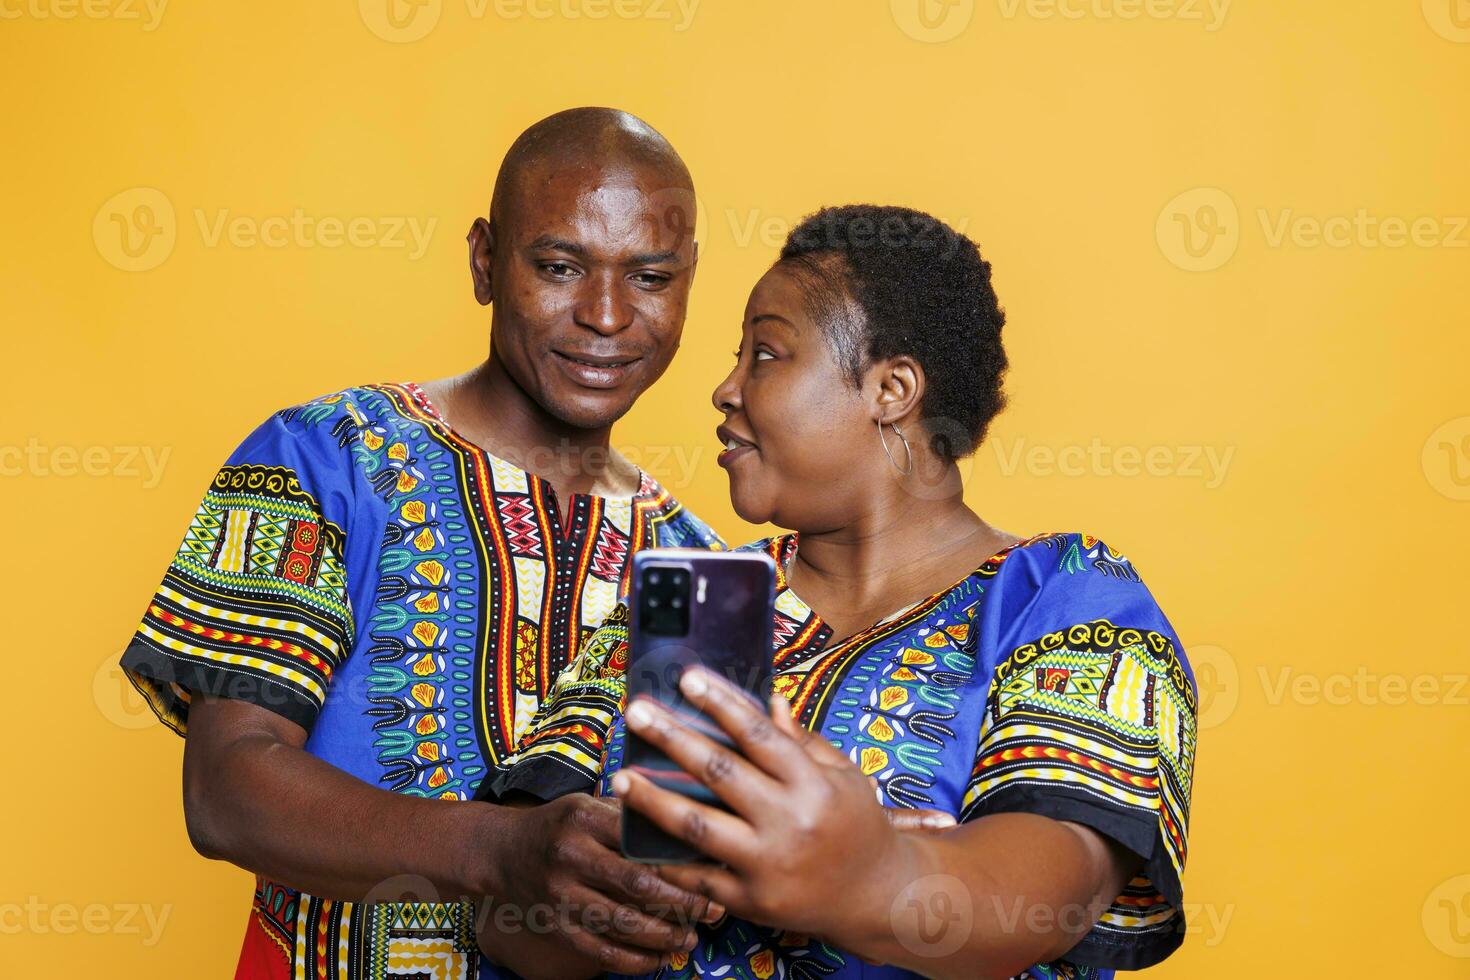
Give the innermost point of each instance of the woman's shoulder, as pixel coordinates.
(1062, 555)
(764, 544)
(1064, 582)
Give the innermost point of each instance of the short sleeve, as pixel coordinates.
(1090, 718)
(563, 748)
(254, 605)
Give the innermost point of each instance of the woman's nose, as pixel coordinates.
(727, 397)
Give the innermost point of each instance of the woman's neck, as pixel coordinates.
(893, 555)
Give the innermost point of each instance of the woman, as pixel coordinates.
(924, 659)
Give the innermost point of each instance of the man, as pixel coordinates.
(381, 584)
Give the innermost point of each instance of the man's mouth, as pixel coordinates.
(595, 370)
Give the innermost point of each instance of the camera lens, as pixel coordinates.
(653, 602)
(654, 578)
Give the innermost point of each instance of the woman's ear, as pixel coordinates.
(482, 256)
(899, 382)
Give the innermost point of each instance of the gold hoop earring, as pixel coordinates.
(908, 453)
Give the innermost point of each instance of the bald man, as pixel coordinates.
(381, 584)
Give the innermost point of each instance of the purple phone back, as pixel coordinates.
(730, 613)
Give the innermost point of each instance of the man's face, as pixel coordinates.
(589, 272)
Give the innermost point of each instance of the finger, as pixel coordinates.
(602, 819)
(611, 927)
(724, 888)
(782, 715)
(720, 835)
(817, 748)
(750, 726)
(744, 788)
(614, 957)
(642, 886)
(921, 821)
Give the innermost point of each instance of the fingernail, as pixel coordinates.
(938, 821)
(619, 783)
(691, 942)
(639, 715)
(694, 683)
(714, 913)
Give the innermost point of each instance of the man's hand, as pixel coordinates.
(254, 797)
(570, 904)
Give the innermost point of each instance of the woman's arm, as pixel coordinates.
(809, 850)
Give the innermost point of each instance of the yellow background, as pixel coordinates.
(1328, 830)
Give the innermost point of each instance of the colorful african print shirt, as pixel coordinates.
(406, 597)
(1048, 681)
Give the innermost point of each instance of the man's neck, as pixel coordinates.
(487, 407)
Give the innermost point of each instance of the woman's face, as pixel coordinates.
(799, 437)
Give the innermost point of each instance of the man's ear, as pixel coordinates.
(900, 389)
(482, 257)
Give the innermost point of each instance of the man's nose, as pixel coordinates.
(603, 306)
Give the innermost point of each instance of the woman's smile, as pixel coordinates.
(735, 446)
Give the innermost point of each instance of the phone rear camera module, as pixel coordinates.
(663, 602)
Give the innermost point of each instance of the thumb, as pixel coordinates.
(919, 821)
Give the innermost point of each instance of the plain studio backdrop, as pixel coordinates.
(1231, 239)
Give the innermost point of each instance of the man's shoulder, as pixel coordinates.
(372, 432)
(674, 524)
(348, 412)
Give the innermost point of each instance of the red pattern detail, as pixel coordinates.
(610, 554)
(224, 636)
(260, 957)
(516, 512)
(577, 729)
(783, 629)
(1053, 679)
(1072, 756)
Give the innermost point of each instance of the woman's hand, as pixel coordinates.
(808, 849)
(807, 835)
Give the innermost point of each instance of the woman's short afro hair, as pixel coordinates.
(920, 288)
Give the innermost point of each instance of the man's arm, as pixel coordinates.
(254, 797)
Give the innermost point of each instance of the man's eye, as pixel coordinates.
(761, 354)
(558, 269)
(650, 279)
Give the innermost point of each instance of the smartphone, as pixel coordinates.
(710, 608)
